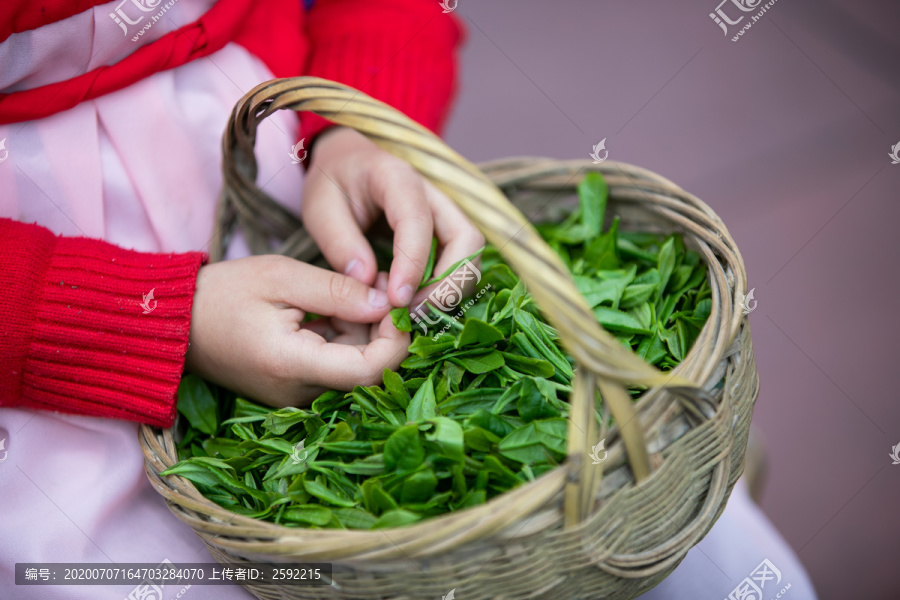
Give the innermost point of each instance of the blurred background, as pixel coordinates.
(786, 135)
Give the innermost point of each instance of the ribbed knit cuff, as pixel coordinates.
(110, 331)
(400, 52)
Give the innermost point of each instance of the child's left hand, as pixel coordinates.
(349, 183)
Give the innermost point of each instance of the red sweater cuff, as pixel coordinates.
(87, 338)
(412, 67)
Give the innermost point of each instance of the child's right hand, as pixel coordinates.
(247, 330)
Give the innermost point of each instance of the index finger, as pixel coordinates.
(327, 293)
(400, 192)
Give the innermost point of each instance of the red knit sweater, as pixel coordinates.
(74, 336)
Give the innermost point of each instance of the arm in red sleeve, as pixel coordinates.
(75, 336)
(401, 52)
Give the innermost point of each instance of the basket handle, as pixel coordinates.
(605, 364)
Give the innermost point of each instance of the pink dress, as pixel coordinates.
(141, 168)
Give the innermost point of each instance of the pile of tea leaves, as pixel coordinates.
(474, 410)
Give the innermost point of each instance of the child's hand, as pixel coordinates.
(350, 182)
(247, 332)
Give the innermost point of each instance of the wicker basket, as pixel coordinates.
(612, 530)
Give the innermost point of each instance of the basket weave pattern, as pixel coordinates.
(611, 530)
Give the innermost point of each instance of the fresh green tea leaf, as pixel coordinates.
(480, 363)
(593, 192)
(616, 320)
(429, 266)
(491, 422)
(323, 493)
(452, 268)
(396, 518)
(393, 384)
(375, 499)
(637, 294)
(534, 367)
(666, 263)
(603, 291)
(448, 437)
(197, 404)
(328, 401)
(400, 319)
(602, 252)
(522, 445)
(470, 401)
(478, 333)
(423, 405)
(354, 518)
(418, 487)
(278, 422)
(425, 346)
(403, 451)
(307, 514)
(531, 402)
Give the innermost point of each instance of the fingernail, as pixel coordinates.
(377, 298)
(381, 281)
(354, 269)
(405, 294)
